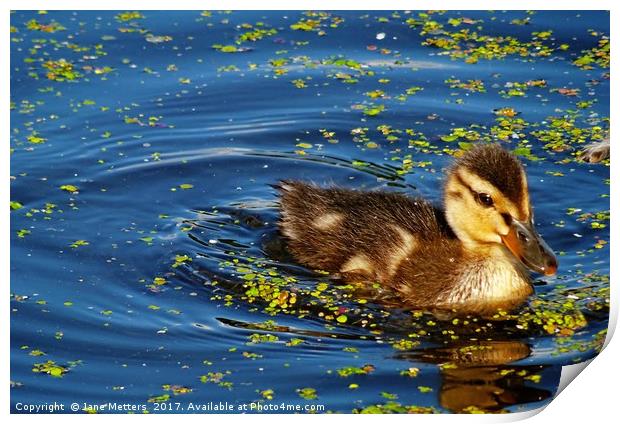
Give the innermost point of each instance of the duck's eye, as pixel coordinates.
(485, 199)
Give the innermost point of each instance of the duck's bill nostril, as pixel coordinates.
(529, 247)
(523, 237)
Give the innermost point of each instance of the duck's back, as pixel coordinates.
(353, 232)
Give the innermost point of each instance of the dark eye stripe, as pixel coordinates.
(455, 194)
(464, 184)
(487, 203)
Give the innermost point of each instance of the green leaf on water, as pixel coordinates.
(70, 188)
(79, 243)
(374, 110)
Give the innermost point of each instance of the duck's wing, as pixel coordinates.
(350, 231)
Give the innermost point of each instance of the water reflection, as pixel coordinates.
(478, 376)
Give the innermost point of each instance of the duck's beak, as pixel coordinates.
(530, 248)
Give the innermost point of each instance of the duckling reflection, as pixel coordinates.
(471, 257)
(477, 376)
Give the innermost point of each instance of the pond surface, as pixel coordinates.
(146, 267)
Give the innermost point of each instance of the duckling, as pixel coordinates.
(597, 151)
(471, 257)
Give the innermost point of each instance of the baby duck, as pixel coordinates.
(597, 151)
(469, 258)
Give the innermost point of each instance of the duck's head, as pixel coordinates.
(487, 205)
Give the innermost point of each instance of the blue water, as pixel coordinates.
(171, 151)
